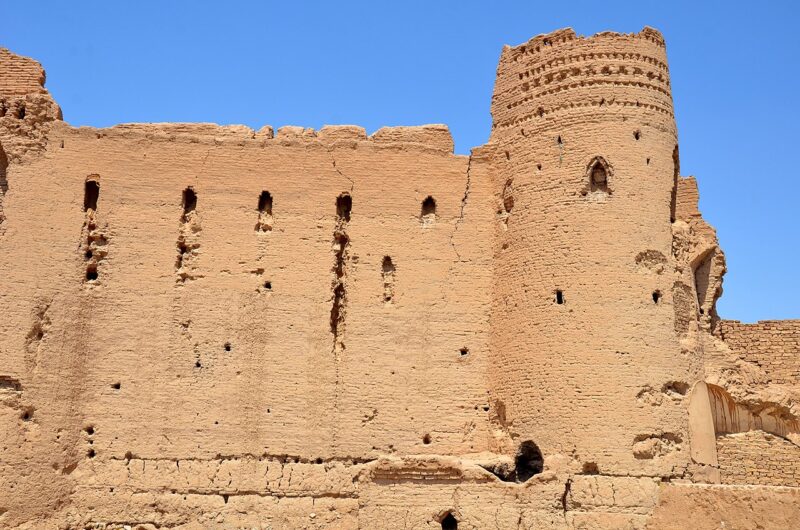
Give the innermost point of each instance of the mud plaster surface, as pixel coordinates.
(214, 327)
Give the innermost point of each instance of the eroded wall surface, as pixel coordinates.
(214, 327)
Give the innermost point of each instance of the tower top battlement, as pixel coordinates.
(560, 72)
(557, 37)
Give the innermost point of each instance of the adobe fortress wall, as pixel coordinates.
(214, 327)
(582, 315)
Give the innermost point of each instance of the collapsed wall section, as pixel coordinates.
(747, 372)
(758, 431)
(26, 108)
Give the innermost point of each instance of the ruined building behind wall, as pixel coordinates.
(213, 327)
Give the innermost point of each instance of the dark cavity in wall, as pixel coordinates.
(265, 202)
(387, 268)
(341, 244)
(590, 468)
(559, 297)
(336, 311)
(656, 296)
(94, 246)
(427, 213)
(599, 172)
(189, 203)
(8, 383)
(703, 283)
(3, 180)
(508, 196)
(264, 212)
(344, 204)
(341, 251)
(3, 171)
(449, 522)
(188, 236)
(91, 272)
(182, 250)
(528, 461)
(673, 203)
(91, 193)
(675, 388)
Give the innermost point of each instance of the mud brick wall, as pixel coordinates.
(774, 345)
(756, 457)
(210, 326)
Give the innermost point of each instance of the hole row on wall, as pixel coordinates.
(560, 298)
(189, 201)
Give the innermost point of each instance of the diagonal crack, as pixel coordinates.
(463, 205)
(333, 161)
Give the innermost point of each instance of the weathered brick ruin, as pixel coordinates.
(214, 327)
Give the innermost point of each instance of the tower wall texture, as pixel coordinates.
(560, 102)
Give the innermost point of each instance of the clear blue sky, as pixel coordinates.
(735, 69)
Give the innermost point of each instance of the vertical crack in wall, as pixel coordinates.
(188, 238)
(341, 241)
(188, 243)
(3, 185)
(673, 201)
(338, 171)
(341, 250)
(93, 239)
(341, 246)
